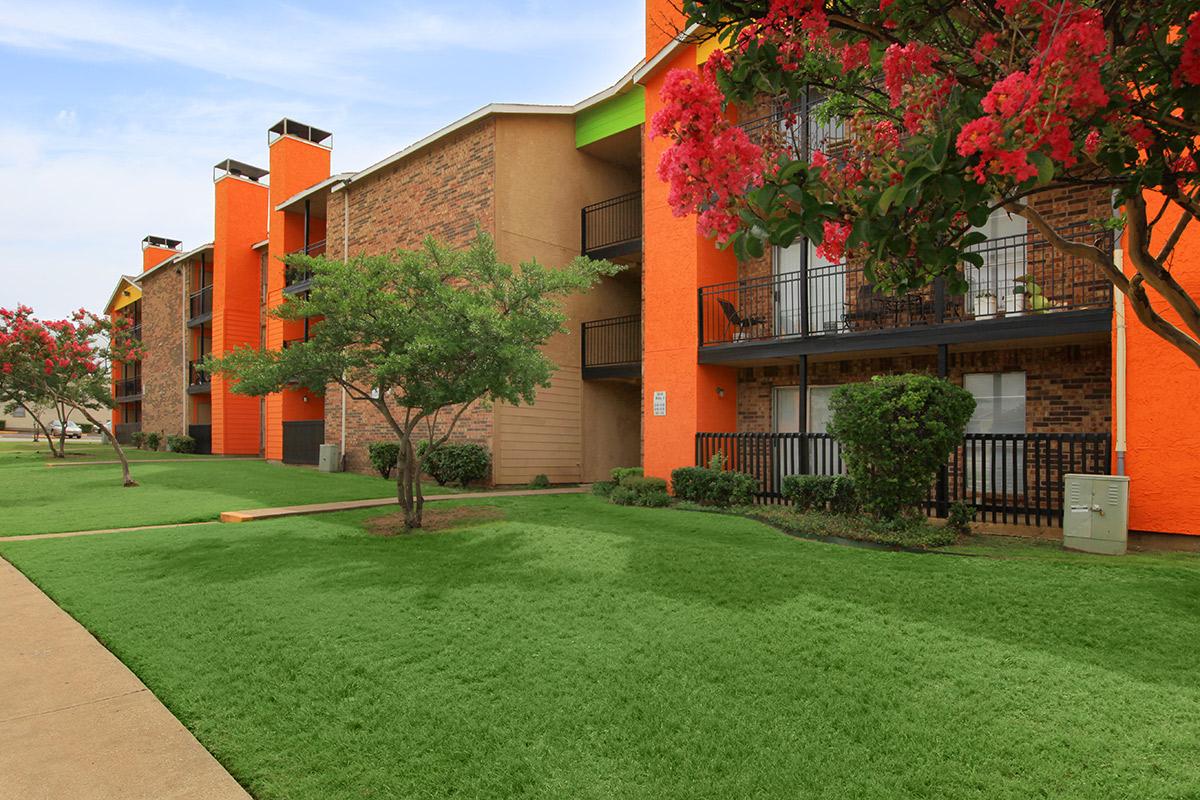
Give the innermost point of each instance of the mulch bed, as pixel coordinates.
(434, 519)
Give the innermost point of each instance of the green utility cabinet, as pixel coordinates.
(1096, 513)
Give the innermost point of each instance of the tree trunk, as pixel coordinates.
(45, 431)
(126, 477)
(404, 486)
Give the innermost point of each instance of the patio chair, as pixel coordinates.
(740, 324)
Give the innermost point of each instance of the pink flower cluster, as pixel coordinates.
(711, 162)
(913, 83)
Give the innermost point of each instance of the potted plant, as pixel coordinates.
(985, 304)
(1030, 294)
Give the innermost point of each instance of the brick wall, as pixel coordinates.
(1067, 387)
(444, 192)
(163, 383)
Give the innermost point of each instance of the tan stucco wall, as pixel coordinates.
(576, 430)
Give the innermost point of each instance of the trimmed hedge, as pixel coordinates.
(137, 439)
(456, 463)
(713, 487)
(384, 457)
(181, 444)
(835, 493)
(603, 488)
(540, 482)
(635, 490)
(620, 473)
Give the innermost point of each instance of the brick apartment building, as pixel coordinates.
(688, 352)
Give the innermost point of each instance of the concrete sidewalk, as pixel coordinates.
(254, 514)
(76, 723)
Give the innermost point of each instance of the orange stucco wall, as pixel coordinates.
(663, 21)
(678, 261)
(153, 256)
(1163, 391)
(240, 222)
(295, 166)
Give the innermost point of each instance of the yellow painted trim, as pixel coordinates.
(705, 49)
(127, 293)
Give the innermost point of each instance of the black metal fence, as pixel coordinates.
(611, 343)
(1022, 275)
(295, 276)
(196, 376)
(200, 303)
(302, 441)
(1008, 478)
(612, 227)
(128, 387)
(124, 431)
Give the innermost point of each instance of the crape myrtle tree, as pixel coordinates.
(65, 364)
(953, 110)
(421, 335)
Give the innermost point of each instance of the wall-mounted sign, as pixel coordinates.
(660, 404)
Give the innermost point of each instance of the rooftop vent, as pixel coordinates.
(238, 169)
(289, 127)
(164, 243)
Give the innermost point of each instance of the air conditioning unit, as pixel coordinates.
(1096, 513)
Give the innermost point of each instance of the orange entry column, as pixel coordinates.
(299, 160)
(1162, 455)
(678, 261)
(240, 222)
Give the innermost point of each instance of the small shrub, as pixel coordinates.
(635, 490)
(960, 517)
(844, 497)
(181, 444)
(152, 441)
(137, 439)
(622, 496)
(384, 457)
(603, 488)
(895, 432)
(653, 499)
(809, 492)
(539, 482)
(640, 484)
(85, 427)
(3, 423)
(713, 487)
(620, 473)
(456, 463)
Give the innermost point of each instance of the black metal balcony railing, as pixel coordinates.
(1009, 478)
(196, 376)
(611, 347)
(200, 302)
(135, 333)
(786, 130)
(1022, 275)
(128, 387)
(124, 431)
(612, 227)
(295, 276)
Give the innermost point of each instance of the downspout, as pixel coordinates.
(1120, 357)
(345, 257)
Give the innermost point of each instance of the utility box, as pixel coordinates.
(329, 459)
(1096, 513)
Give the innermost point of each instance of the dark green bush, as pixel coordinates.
(384, 457)
(86, 427)
(181, 444)
(622, 496)
(895, 431)
(153, 440)
(835, 493)
(640, 484)
(960, 517)
(620, 473)
(539, 482)
(644, 496)
(713, 487)
(137, 439)
(603, 488)
(456, 463)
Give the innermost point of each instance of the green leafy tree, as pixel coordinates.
(421, 335)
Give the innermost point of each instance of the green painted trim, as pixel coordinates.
(614, 115)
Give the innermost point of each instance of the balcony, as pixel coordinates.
(611, 348)
(612, 227)
(200, 306)
(124, 431)
(198, 380)
(1025, 288)
(127, 389)
(135, 332)
(297, 280)
(1012, 478)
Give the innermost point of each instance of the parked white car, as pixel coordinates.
(73, 429)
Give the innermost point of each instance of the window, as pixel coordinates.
(823, 454)
(999, 409)
(994, 285)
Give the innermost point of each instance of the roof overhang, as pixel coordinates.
(125, 284)
(316, 195)
(666, 54)
(179, 259)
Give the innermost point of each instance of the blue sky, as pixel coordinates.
(115, 112)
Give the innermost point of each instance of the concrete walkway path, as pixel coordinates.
(76, 723)
(254, 514)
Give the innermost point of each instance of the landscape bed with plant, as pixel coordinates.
(895, 432)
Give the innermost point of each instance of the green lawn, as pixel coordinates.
(577, 649)
(28, 454)
(37, 499)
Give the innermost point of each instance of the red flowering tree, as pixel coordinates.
(65, 363)
(17, 389)
(953, 110)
